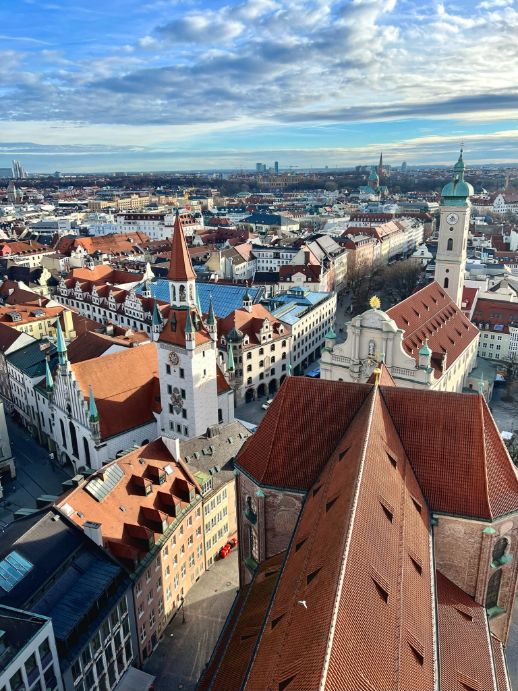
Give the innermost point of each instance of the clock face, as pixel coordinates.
(173, 358)
(452, 219)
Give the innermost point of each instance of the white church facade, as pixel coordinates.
(424, 341)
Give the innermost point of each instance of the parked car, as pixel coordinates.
(265, 406)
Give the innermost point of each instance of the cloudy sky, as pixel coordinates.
(188, 84)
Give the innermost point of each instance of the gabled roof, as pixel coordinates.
(464, 641)
(351, 563)
(431, 314)
(180, 268)
(452, 442)
(125, 386)
(250, 323)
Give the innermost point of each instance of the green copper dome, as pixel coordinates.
(235, 335)
(457, 192)
(330, 334)
(425, 350)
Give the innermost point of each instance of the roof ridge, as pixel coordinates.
(372, 399)
(480, 412)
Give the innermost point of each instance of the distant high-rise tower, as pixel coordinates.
(18, 170)
(403, 167)
(380, 167)
(276, 167)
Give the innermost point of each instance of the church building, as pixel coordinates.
(378, 527)
(424, 341)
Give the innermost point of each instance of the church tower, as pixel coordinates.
(187, 353)
(450, 261)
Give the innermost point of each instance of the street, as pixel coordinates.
(35, 474)
(185, 648)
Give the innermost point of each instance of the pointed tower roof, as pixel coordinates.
(198, 302)
(189, 327)
(211, 318)
(60, 344)
(49, 383)
(92, 407)
(230, 358)
(180, 268)
(156, 319)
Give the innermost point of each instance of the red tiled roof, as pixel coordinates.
(495, 312)
(221, 382)
(468, 295)
(125, 387)
(121, 531)
(458, 456)
(180, 268)
(465, 655)
(174, 329)
(250, 323)
(431, 314)
(292, 430)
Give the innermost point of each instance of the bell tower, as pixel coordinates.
(455, 210)
(187, 352)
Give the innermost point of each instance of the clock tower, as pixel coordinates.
(450, 261)
(187, 353)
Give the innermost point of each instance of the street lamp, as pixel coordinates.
(182, 600)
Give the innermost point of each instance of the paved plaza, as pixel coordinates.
(35, 474)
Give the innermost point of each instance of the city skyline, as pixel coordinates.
(220, 85)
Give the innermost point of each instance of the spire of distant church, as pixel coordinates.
(380, 167)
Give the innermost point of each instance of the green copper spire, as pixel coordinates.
(330, 334)
(189, 328)
(60, 344)
(458, 191)
(156, 319)
(49, 384)
(211, 319)
(230, 358)
(92, 407)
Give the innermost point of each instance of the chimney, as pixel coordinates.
(172, 444)
(93, 530)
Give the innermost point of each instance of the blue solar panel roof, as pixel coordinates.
(226, 298)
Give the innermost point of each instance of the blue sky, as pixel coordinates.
(178, 84)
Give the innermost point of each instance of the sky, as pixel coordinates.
(134, 85)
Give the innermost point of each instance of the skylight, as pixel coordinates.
(12, 569)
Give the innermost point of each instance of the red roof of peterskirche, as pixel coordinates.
(431, 314)
(464, 643)
(451, 440)
(180, 268)
(352, 605)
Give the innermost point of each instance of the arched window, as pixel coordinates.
(173, 293)
(499, 551)
(493, 589)
(182, 293)
(446, 282)
(73, 438)
(450, 244)
(86, 446)
(191, 294)
(63, 435)
(249, 510)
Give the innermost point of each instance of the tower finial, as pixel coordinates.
(60, 344)
(92, 406)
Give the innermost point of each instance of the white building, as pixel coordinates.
(506, 202)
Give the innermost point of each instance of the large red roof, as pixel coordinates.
(431, 314)
(125, 387)
(451, 440)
